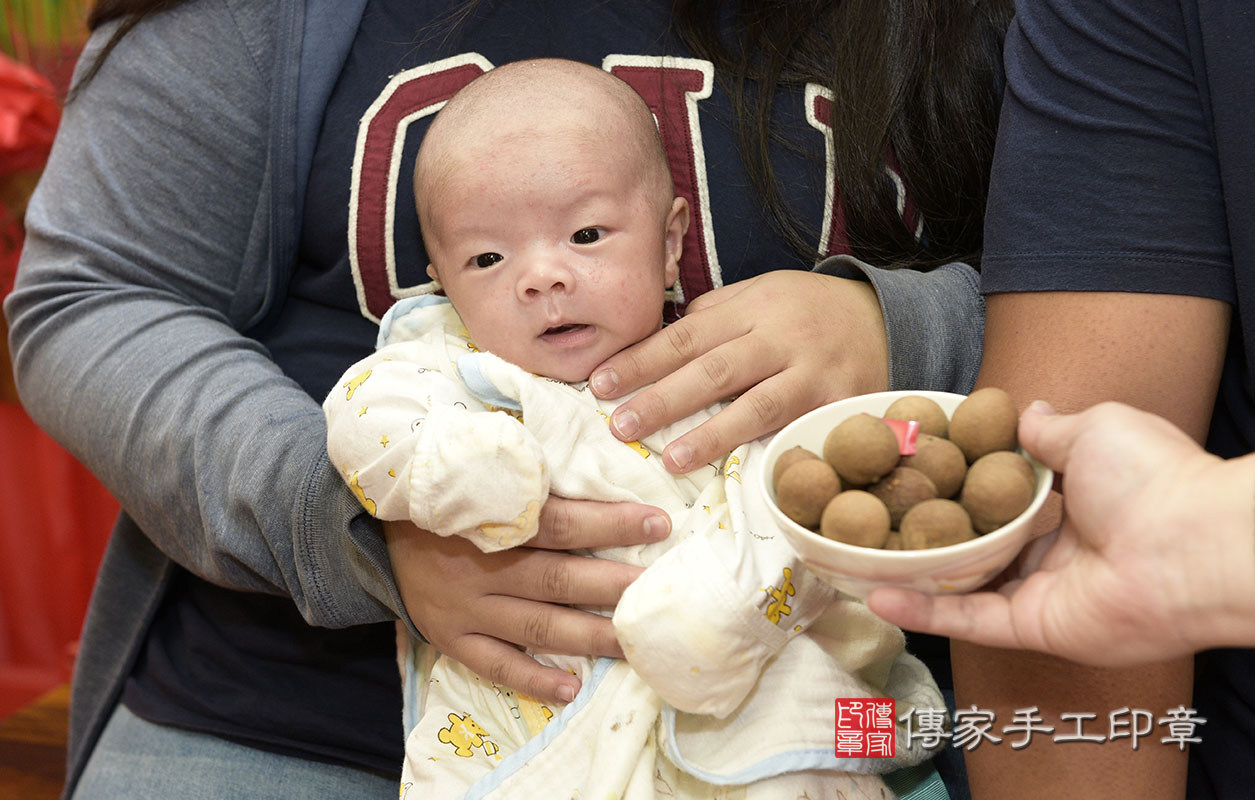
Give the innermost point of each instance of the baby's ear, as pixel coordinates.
(677, 226)
(431, 272)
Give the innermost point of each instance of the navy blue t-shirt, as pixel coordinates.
(1126, 163)
(246, 667)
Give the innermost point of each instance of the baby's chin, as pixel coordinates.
(567, 362)
(568, 370)
(576, 375)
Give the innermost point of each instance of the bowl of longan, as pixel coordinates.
(918, 489)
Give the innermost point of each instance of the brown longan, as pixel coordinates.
(805, 489)
(936, 523)
(985, 421)
(995, 492)
(932, 420)
(787, 459)
(941, 460)
(901, 489)
(1015, 462)
(861, 449)
(856, 517)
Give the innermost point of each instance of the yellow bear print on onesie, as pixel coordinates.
(465, 734)
(779, 605)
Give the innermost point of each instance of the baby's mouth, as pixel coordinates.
(561, 329)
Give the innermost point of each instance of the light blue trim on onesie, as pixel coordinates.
(511, 763)
(399, 309)
(413, 686)
(477, 383)
(469, 367)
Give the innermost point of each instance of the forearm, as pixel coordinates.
(1005, 682)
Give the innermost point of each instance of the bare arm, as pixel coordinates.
(1162, 353)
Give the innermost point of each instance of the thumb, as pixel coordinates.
(1047, 435)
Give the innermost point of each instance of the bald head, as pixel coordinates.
(543, 98)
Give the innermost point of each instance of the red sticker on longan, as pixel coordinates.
(907, 433)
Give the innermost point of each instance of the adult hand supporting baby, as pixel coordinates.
(785, 342)
(481, 608)
(1154, 558)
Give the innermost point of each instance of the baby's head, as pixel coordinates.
(549, 215)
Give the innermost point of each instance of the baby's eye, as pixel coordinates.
(586, 235)
(487, 259)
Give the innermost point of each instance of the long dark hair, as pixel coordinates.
(916, 82)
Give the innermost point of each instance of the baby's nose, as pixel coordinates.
(545, 275)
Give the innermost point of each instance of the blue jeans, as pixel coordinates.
(135, 758)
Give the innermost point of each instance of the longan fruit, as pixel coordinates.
(936, 523)
(861, 449)
(985, 421)
(805, 488)
(941, 460)
(894, 542)
(856, 517)
(932, 420)
(994, 493)
(1014, 461)
(901, 489)
(787, 459)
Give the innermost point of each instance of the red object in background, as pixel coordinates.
(55, 519)
(29, 114)
(54, 516)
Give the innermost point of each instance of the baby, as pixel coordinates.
(551, 222)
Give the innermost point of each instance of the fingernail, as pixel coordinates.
(604, 382)
(566, 693)
(656, 528)
(681, 455)
(626, 423)
(1041, 407)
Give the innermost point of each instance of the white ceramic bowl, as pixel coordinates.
(857, 570)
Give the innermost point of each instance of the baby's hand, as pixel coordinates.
(483, 608)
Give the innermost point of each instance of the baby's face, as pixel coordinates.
(552, 251)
